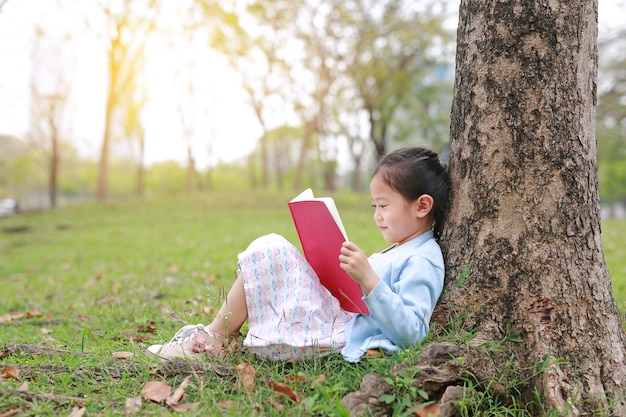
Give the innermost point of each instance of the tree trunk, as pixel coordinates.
(525, 209)
(139, 186)
(103, 162)
(111, 103)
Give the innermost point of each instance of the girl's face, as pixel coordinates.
(399, 220)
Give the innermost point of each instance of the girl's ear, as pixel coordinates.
(424, 205)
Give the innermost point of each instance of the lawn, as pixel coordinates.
(90, 286)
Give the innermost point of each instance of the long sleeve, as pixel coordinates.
(403, 311)
(401, 305)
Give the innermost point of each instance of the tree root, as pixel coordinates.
(169, 368)
(40, 395)
(443, 368)
(33, 349)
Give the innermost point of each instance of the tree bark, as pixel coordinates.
(525, 207)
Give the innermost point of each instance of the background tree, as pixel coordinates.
(50, 87)
(525, 212)
(264, 73)
(134, 132)
(397, 49)
(127, 25)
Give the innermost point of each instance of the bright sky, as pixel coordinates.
(225, 117)
(223, 121)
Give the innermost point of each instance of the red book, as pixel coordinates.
(321, 234)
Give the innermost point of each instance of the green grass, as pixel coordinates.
(101, 274)
(120, 276)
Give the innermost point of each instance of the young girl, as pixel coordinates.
(292, 316)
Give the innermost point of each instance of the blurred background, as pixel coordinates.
(109, 99)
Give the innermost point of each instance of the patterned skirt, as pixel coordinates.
(291, 315)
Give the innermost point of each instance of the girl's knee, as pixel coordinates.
(269, 241)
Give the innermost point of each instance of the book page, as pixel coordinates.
(330, 204)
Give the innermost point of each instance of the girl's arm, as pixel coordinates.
(403, 311)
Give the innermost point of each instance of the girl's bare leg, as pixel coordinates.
(233, 312)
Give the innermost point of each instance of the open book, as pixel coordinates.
(321, 234)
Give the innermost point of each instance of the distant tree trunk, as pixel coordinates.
(54, 167)
(357, 152)
(310, 128)
(525, 209)
(103, 162)
(140, 163)
(378, 134)
(191, 170)
(112, 99)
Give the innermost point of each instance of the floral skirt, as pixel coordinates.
(291, 315)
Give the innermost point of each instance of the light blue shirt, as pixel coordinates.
(400, 306)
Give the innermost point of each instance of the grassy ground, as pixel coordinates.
(101, 279)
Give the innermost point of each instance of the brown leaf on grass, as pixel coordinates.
(50, 341)
(277, 405)
(247, 376)
(182, 408)
(109, 299)
(16, 315)
(140, 339)
(31, 314)
(10, 372)
(149, 327)
(122, 355)
(178, 394)
(156, 391)
(297, 378)
(11, 315)
(319, 380)
(285, 389)
(23, 387)
(133, 405)
(227, 405)
(11, 413)
(78, 412)
(430, 410)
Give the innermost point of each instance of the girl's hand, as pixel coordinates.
(354, 262)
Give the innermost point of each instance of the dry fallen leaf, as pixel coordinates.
(277, 405)
(149, 327)
(247, 376)
(23, 387)
(50, 341)
(297, 378)
(430, 410)
(181, 408)
(319, 380)
(11, 315)
(122, 355)
(45, 331)
(133, 405)
(109, 299)
(11, 413)
(178, 394)
(34, 313)
(285, 389)
(77, 412)
(227, 405)
(156, 391)
(10, 372)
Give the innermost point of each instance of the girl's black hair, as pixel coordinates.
(414, 171)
